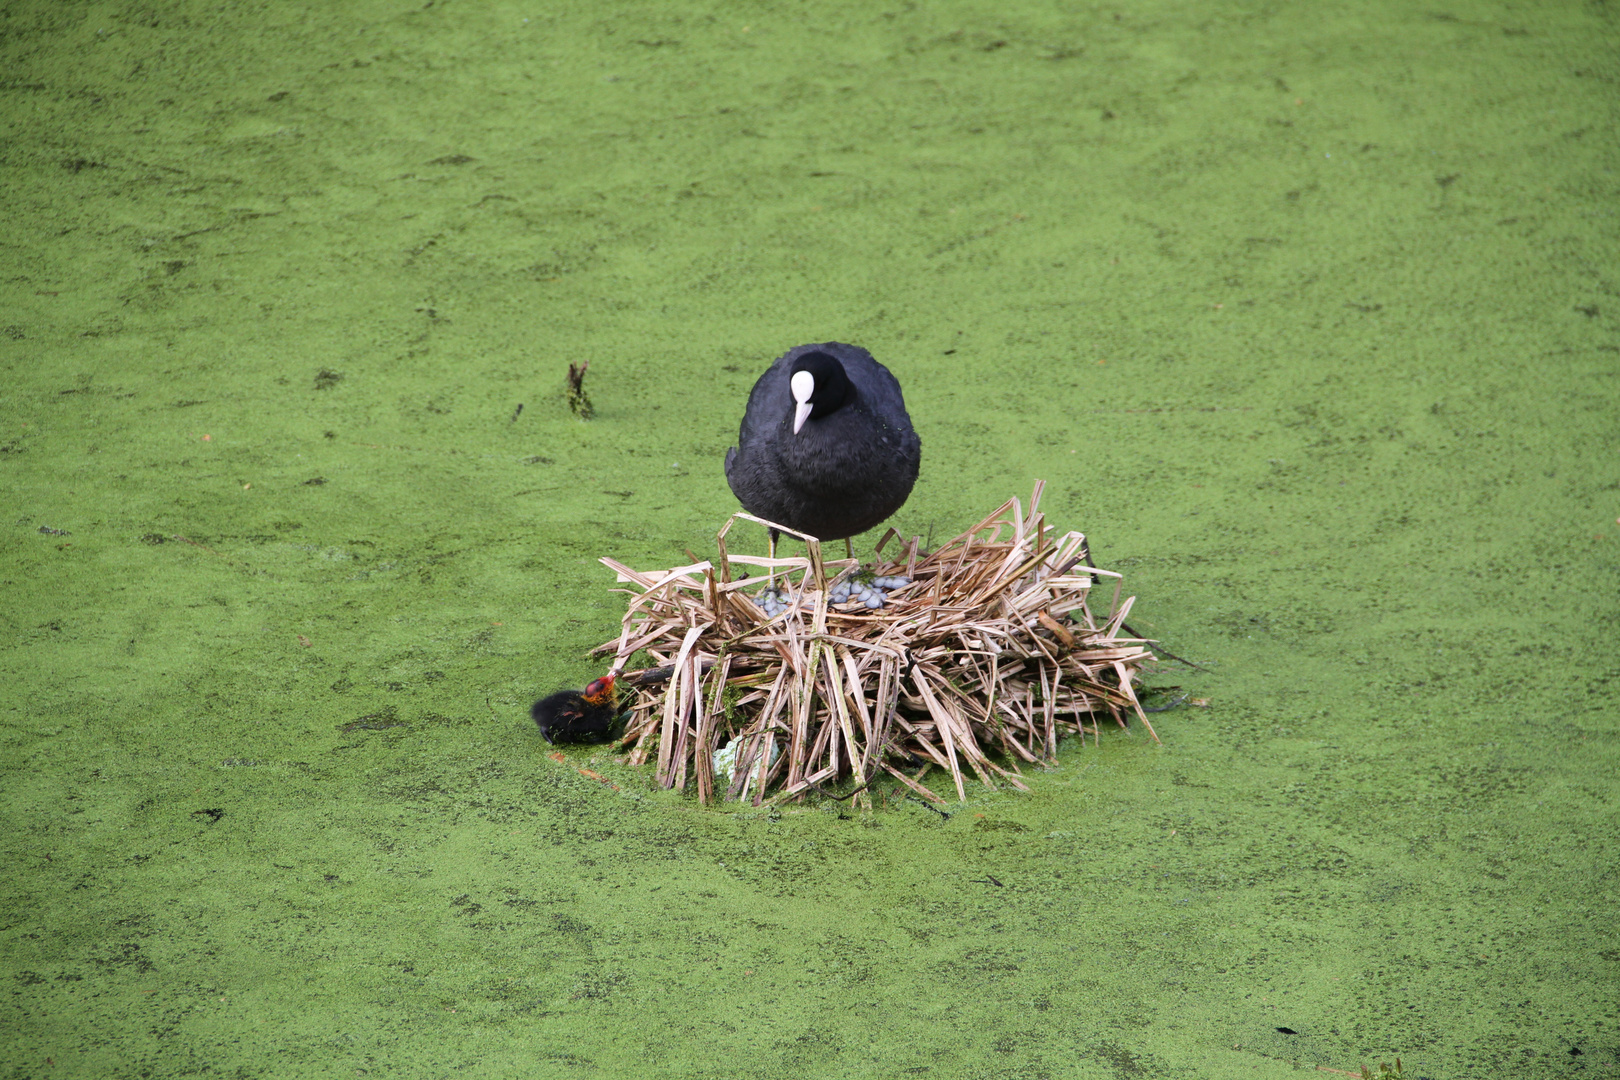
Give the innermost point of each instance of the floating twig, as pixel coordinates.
(578, 400)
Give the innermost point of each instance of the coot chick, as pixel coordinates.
(826, 446)
(569, 716)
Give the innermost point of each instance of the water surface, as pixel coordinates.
(1307, 314)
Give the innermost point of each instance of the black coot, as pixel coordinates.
(826, 446)
(569, 716)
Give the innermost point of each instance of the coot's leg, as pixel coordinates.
(770, 585)
(849, 549)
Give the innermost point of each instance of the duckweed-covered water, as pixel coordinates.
(1307, 314)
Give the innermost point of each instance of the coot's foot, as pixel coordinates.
(872, 592)
(772, 602)
(570, 716)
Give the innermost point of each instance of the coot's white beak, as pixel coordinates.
(804, 384)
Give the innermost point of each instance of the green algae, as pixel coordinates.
(1307, 315)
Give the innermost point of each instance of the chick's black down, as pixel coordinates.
(842, 472)
(572, 716)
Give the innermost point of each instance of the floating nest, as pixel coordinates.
(993, 648)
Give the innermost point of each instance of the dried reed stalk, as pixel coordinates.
(992, 649)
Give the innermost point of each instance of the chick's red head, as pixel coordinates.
(600, 691)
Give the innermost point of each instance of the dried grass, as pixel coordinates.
(992, 652)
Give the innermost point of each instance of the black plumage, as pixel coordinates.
(572, 716)
(853, 459)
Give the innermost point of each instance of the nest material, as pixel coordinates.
(992, 649)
